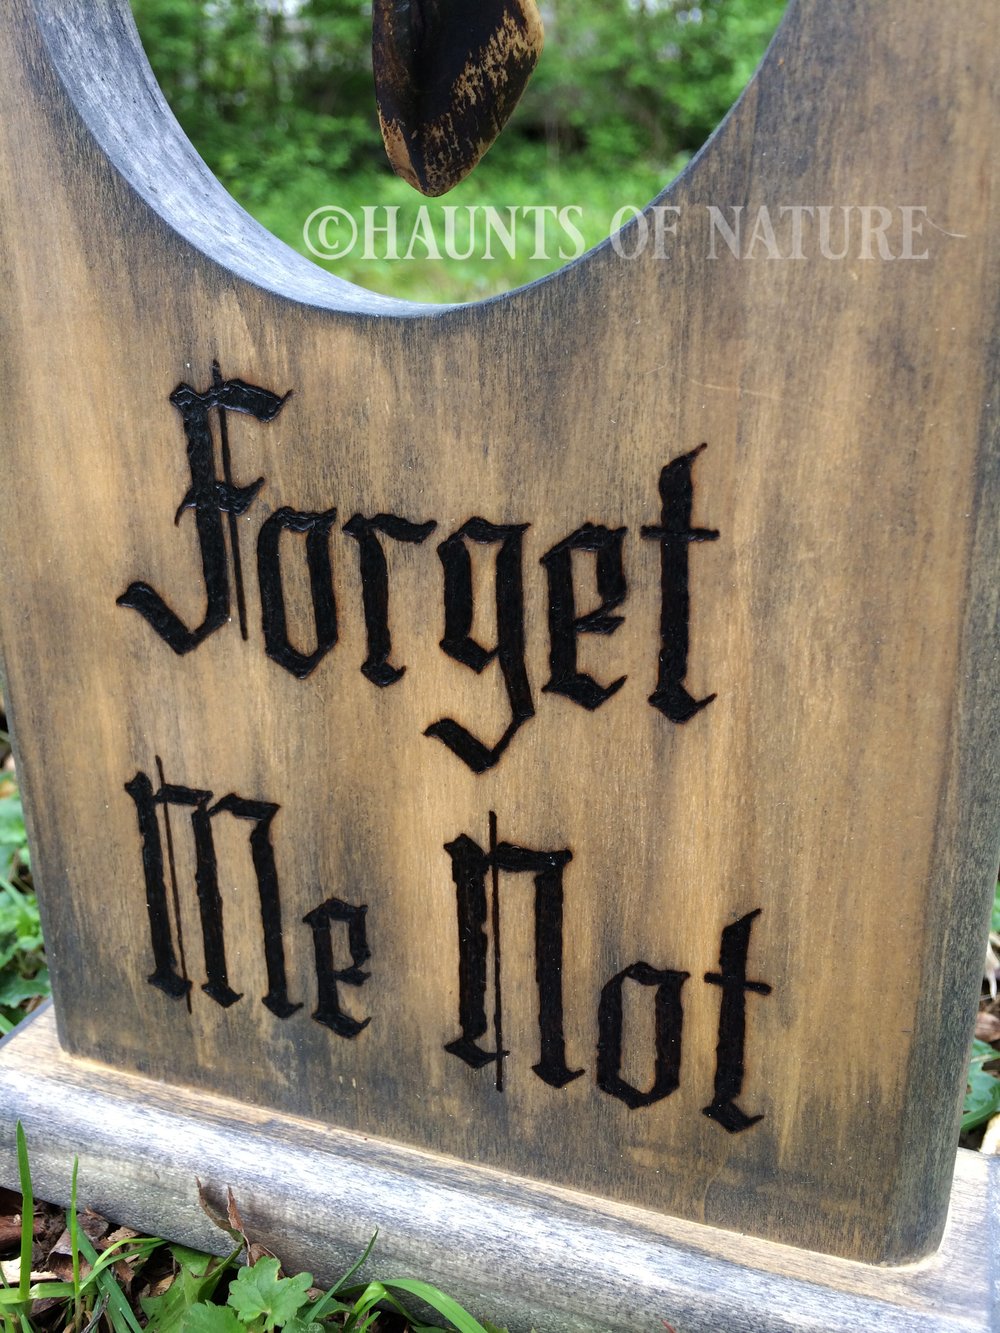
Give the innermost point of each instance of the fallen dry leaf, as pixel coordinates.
(158, 1288)
(214, 1216)
(60, 1258)
(987, 1026)
(60, 1255)
(94, 1226)
(10, 1218)
(233, 1214)
(232, 1225)
(120, 1233)
(49, 1223)
(991, 1139)
(11, 1272)
(253, 1249)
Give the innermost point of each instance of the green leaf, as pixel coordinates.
(9, 1296)
(40, 1290)
(74, 1236)
(129, 1250)
(995, 925)
(370, 1294)
(438, 1301)
(27, 1211)
(982, 1053)
(118, 1311)
(377, 1295)
(297, 1325)
(327, 1304)
(13, 837)
(12, 830)
(258, 1291)
(192, 1261)
(14, 990)
(209, 1319)
(982, 1097)
(197, 1278)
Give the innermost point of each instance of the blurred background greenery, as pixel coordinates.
(277, 96)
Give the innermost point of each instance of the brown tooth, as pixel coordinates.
(448, 74)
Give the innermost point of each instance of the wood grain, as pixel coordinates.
(841, 783)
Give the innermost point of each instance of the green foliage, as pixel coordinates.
(23, 974)
(212, 1319)
(279, 100)
(16, 1303)
(259, 1299)
(24, 978)
(982, 1097)
(27, 1212)
(198, 1276)
(13, 837)
(501, 184)
(622, 80)
(263, 93)
(87, 1296)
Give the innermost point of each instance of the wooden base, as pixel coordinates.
(522, 1254)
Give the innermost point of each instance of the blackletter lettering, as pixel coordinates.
(675, 534)
(210, 497)
(458, 643)
(165, 975)
(375, 586)
(732, 978)
(328, 1010)
(470, 865)
(272, 595)
(565, 625)
(669, 1018)
(262, 813)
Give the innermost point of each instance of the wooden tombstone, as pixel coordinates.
(556, 733)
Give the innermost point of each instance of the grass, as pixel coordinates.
(593, 197)
(201, 1293)
(24, 977)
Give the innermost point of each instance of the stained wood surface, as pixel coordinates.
(530, 1256)
(832, 808)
